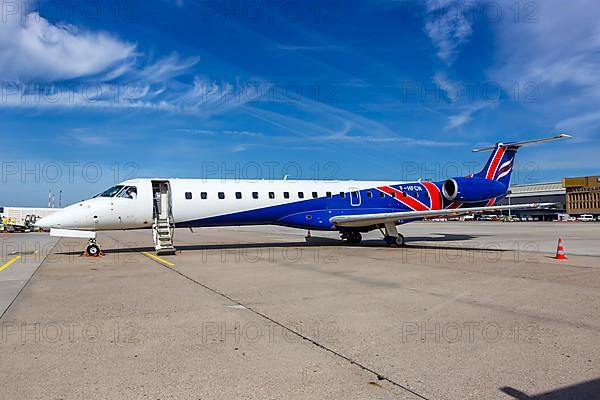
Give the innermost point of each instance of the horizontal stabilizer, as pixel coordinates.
(525, 142)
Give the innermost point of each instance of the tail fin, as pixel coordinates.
(500, 164)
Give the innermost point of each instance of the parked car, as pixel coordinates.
(586, 218)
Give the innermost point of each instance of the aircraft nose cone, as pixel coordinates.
(59, 219)
(48, 222)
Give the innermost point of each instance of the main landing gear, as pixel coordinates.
(92, 249)
(392, 237)
(351, 237)
(397, 241)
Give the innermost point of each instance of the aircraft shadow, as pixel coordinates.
(311, 242)
(584, 390)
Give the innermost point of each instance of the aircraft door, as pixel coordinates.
(354, 197)
(161, 200)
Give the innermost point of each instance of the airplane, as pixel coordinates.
(349, 207)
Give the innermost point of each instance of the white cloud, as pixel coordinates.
(560, 55)
(330, 125)
(32, 48)
(466, 115)
(50, 65)
(167, 68)
(448, 26)
(454, 121)
(546, 52)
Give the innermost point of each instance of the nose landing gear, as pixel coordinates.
(92, 249)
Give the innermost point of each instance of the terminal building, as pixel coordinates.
(572, 196)
(583, 195)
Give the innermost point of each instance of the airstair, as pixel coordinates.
(163, 227)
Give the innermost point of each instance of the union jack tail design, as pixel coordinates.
(500, 164)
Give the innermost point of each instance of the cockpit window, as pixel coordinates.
(112, 192)
(128, 192)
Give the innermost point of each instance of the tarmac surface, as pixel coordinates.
(468, 310)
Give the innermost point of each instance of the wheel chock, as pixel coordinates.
(86, 254)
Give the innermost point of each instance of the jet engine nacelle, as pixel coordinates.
(472, 190)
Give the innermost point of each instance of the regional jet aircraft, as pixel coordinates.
(349, 207)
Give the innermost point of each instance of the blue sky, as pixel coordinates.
(352, 90)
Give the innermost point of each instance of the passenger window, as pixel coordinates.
(328, 194)
(369, 195)
(271, 195)
(238, 195)
(381, 194)
(203, 195)
(343, 195)
(404, 194)
(355, 195)
(286, 195)
(315, 195)
(188, 195)
(300, 195)
(416, 195)
(221, 195)
(394, 194)
(255, 195)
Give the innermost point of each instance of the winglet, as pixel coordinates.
(525, 142)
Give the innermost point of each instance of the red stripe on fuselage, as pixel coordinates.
(434, 195)
(454, 205)
(409, 201)
(491, 172)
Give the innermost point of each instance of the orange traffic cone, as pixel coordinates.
(560, 251)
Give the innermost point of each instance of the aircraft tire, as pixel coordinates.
(93, 250)
(398, 241)
(354, 237)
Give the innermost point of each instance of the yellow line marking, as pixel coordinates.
(9, 263)
(157, 258)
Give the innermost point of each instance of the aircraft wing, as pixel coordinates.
(373, 219)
